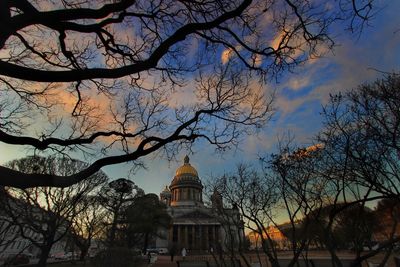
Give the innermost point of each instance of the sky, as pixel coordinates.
(300, 97)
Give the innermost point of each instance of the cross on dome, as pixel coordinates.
(186, 159)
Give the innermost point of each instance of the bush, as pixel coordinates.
(16, 260)
(118, 257)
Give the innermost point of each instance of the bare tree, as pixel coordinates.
(353, 164)
(88, 224)
(44, 215)
(322, 191)
(361, 141)
(264, 198)
(363, 127)
(302, 186)
(8, 235)
(325, 190)
(101, 77)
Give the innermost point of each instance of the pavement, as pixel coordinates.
(165, 261)
(318, 260)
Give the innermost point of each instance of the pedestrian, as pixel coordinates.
(172, 252)
(183, 253)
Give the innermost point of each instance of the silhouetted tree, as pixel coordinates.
(88, 224)
(325, 189)
(352, 227)
(260, 197)
(103, 78)
(44, 215)
(145, 219)
(116, 197)
(361, 148)
(361, 135)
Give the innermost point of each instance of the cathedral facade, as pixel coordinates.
(195, 226)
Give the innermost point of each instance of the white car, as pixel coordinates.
(162, 251)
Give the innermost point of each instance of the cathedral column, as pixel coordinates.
(212, 228)
(186, 242)
(183, 240)
(193, 237)
(171, 235)
(201, 237)
(218, 234)
(207, 236)
(179, 235)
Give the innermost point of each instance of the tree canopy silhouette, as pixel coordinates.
(119, 80)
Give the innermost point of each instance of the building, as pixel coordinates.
(195, 226)
(280, 241)
(13, 242)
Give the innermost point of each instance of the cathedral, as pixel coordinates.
(195, 226)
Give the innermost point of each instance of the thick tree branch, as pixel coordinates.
(25, 73)
(18, 179)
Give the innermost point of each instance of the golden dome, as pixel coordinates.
(186, 168)
(186, 187)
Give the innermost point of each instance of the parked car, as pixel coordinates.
(162, 251)
(152, 251)
(17, 259)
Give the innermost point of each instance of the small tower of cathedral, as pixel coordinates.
(216, 200)
(165, 196)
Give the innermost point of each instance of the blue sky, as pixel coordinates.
(300, 96)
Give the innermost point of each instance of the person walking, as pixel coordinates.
(172, 252)
(148, 257)
(183, 253)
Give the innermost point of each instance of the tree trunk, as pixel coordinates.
(146, 241)
(335, 259)
(44, 255)
(272, 260)
(84, 252)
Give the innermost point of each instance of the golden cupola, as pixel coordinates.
(186, 170)
(186, 187)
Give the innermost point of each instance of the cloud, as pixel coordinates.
(226, 55)
(183, 96)
(278, 40)
(91, 100)
(296, 82)
(10, 152)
